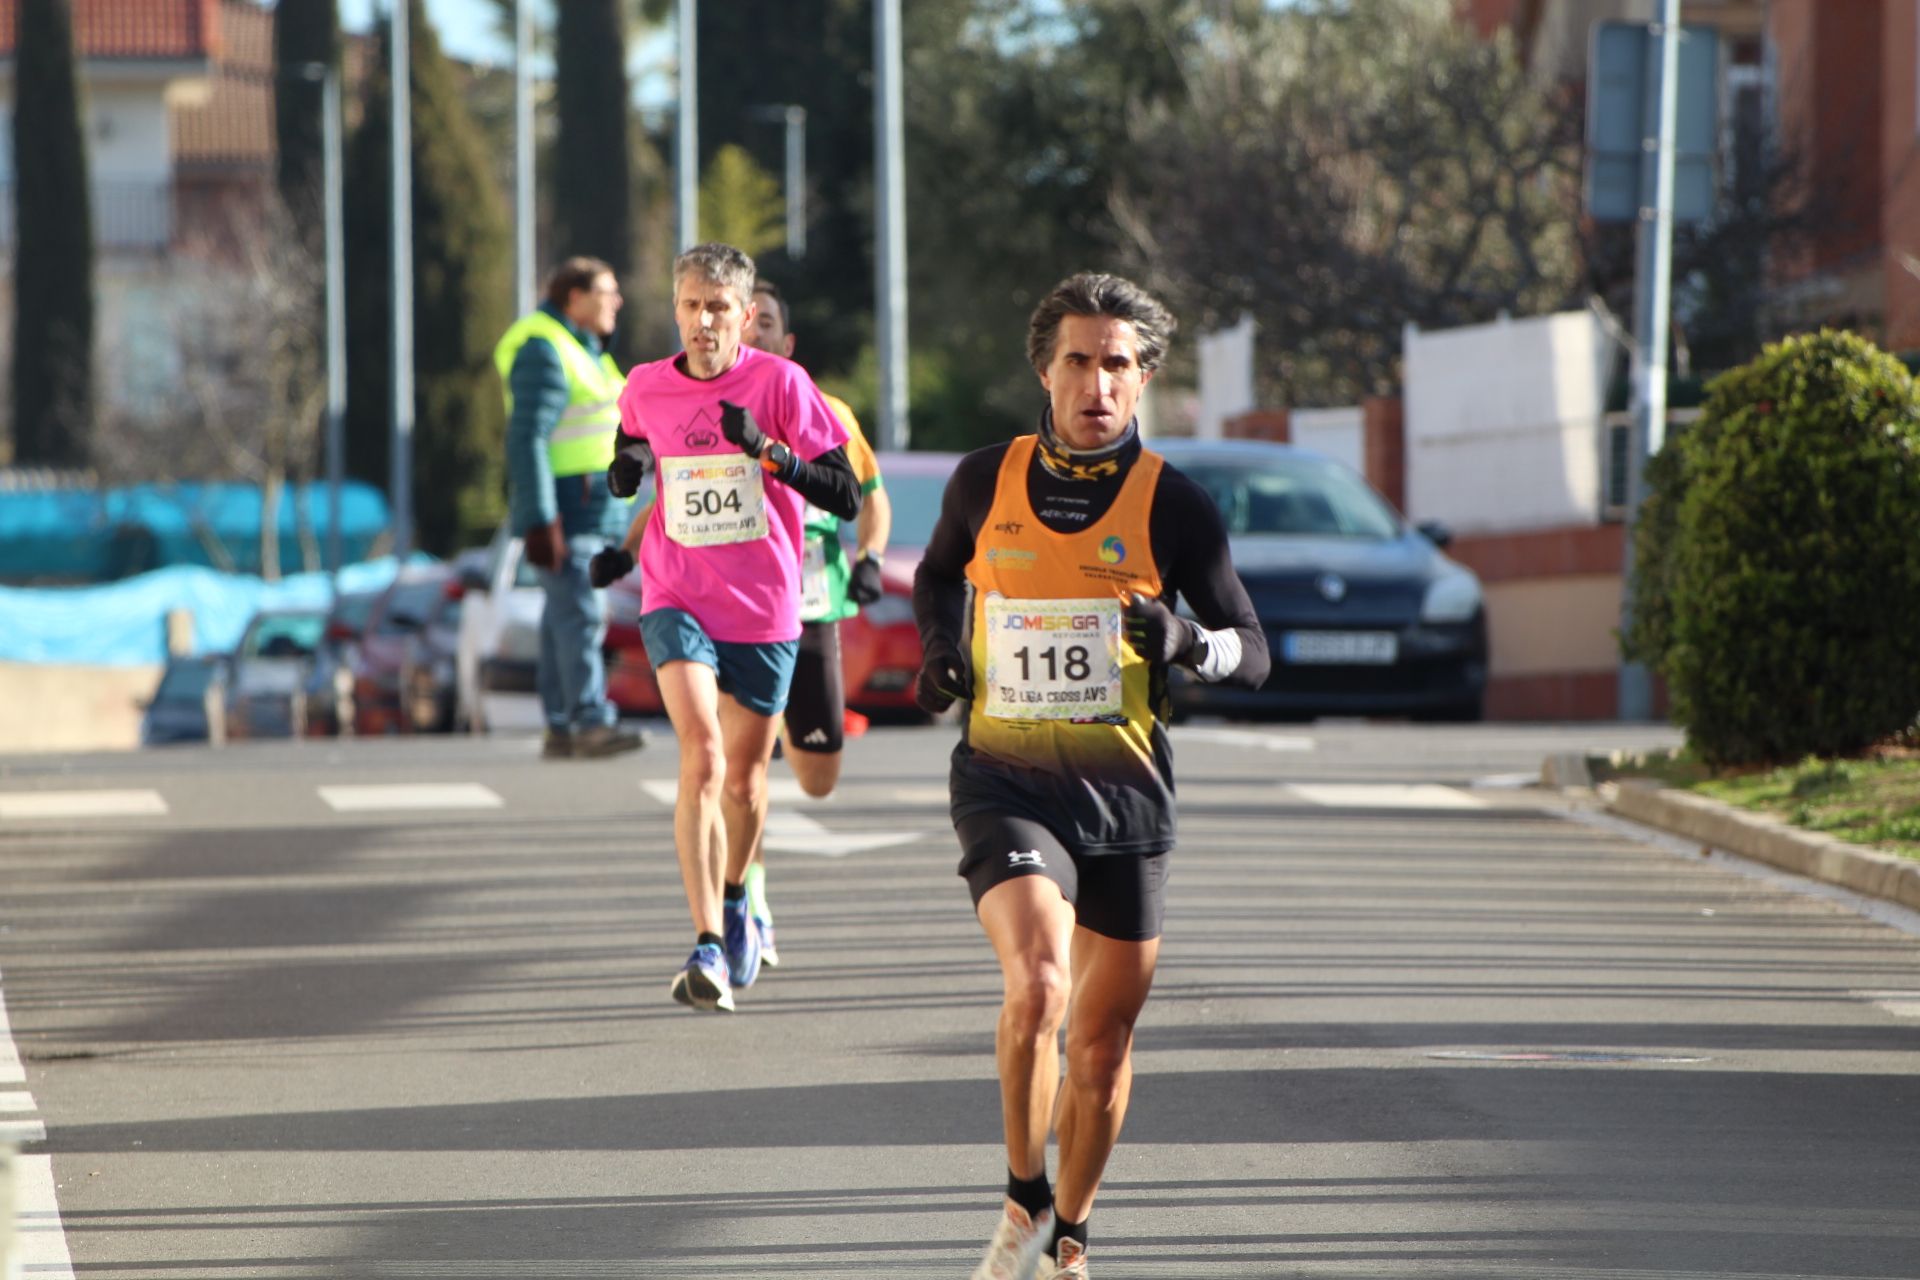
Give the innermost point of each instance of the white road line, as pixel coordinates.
(82, 804)
(11, 1072)
(1382, 795)
(37, 1246)
(410, 795)
(1901, 1004)
(1243, 738)
(40, 1242)
(789, 831)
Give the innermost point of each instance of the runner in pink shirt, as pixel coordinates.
(740, 442)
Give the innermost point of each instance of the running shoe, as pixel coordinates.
(743, 941)
(762, 913)
(703, 983)
(1072, 1263)
(1016, 1245)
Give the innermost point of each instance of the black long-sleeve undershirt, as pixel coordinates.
(828, 482)
(1188, 539)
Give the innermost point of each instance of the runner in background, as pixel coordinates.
(741, 442)
(832, 587)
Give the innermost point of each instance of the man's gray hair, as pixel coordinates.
(722, 264)
(1091, 293)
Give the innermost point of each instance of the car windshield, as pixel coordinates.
(1315, 497)
(409, 607)
(283, 635)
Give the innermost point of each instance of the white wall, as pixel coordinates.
(1338, 433)
(1503, 423)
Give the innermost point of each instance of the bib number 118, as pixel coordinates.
(1075, 663)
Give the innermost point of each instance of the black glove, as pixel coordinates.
(943, 678)
(1157, 633)
(863, 584)
(738, 426)
(609, 565)
(629, 468)
(545, 545)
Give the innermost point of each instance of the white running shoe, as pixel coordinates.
(1016, 1245)
(1071, 1266)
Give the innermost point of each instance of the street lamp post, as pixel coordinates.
(794, 117)
(336, 312)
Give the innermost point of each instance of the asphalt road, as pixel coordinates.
(275, 1026)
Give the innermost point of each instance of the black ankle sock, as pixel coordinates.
(1031, 1194)
(714, 938)
(733, 892)
(1064, 1230)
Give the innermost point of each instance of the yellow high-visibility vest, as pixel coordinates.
(583, 439)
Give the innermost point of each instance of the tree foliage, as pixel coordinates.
(1340, 171)
(741, 203)
(306, 33)
(1780, 550)
(593, 211)
(462, 264)
(53, 245)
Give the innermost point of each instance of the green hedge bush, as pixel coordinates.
(1777, 564)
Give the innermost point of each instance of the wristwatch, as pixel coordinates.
(778, 457)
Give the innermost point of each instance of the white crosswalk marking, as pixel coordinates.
(1381, 795)
(82, 804)
(410, 795)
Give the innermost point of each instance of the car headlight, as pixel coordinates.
(1453, 598)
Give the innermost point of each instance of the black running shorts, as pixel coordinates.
(1117, 895)
(817, 699)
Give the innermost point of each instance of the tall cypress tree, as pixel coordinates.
(462, 267)
(592, 186)
(53, 245)
(305, 33)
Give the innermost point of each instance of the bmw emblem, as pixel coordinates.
(1332, 587)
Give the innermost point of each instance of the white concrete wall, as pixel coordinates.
(1504, 423)
(1338, 433)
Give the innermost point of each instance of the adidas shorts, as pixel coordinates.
(817, 701)
(1117, 895)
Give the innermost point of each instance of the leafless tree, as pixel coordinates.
(251, 389)
(1341, 171)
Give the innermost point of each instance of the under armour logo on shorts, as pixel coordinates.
(1030, 858)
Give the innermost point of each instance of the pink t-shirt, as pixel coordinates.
(724, 540)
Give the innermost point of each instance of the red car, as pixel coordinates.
(879, 646)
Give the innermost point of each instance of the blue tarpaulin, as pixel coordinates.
(124, 623)
(85, 535)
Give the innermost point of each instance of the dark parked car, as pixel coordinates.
(190, 703)
(1364, 613)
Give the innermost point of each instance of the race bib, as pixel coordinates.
(713, 500)
(816, 600)
(1052, 659)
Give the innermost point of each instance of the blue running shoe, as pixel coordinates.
(743, 941)
(762, 913)
(703, 983)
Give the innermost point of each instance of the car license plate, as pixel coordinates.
(1328, 648)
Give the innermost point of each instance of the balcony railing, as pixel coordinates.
(128, 217)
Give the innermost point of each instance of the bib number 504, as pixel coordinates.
(711, 502)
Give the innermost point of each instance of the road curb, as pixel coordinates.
(1763, 839)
